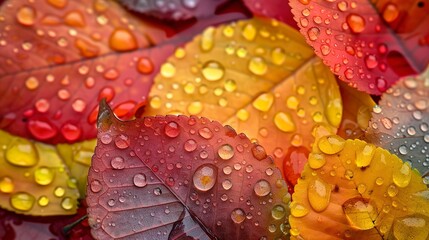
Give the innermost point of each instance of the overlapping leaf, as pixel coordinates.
(354, 190)
(369, 44)
(257, 76)
(175, 9)
(277, 9)
(176, 176)
(400, 122)
(33, 179)
(356, 114)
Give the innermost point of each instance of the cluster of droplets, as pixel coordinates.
(360, 212)
(23, 157)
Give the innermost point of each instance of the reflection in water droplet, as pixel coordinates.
(411, 227)
(356, 23)
(21, 152)
(172, 129)
(390, 12)
(43, 176)
(122, 141)
(364, 157)
(139, 180)
(96, 186)
(6, 185)
(22, 201)
(402, 176)
(331, 144)
(122, 39)
(298, 210)
(117, 163)
(258, 66)
(226, 152)
(264, 102)
(238, 216)
(213, 71)
(319, 194)
(284, 122)
(360, 213)
(43, 201)
(278, 212)
(227, 184)
(205, 177)
(262, 188)
(26, 16)
(67, 203)
(205, 133)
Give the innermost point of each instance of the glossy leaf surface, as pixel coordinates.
(370, 44)
(277, 9)
(351, 189)
(175, 176)
(257, 76)
(34, 179)
(174, 9)
(400, 122)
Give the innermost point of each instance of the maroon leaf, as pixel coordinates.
(167, 177)
(174, 9)
(369, 44)
(277, 9)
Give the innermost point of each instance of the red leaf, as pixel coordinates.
(175, 9)
(277, 9)
(178, 175)
(370, 45)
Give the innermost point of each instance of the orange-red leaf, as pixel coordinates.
(277, 9)
(182, 176)
(369, 44)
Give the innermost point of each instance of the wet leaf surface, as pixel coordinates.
(257, 76)
(277, 9)
(400, 122)
(370, 44)
(173, 176)
(175, 9)
(351, 189)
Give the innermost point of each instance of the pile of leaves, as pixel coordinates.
(214, 119)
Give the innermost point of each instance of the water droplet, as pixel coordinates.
(205, 132)
(6, 185)
(392, 190)
(67, 203)
(213, 71)
(278, 212)
(402, 176)
(207, 42)
(172, 129)
(122, 141)
(313, 33)
(390, 12)
(356, 23)
(26, 16)
(342, 6)
(44, 176)
(195, 108)
(21, 153)
(96, 186)
(31, 83)
(106, 138)
(157, 191)
(316, 160)
(262, 188)
(284, 122)
(298, 210)
(74, 19)
(278, 56)
(79, 105)
(349, 73)
(227, 184)
(205, 177)
(249, 32)
(225, 152)
(325, 49)
(360, 213)
(331, 144)
(43, 201)
(22, 201)
(144, 65)
(139, 180)
(371, 61)
(122, 39)
(59, 191)
(238, 216)
(258, 66)
(264, 102)
(117, 163)
(190, 145)
(41, 130)
(58, 3)
(70, 132)
(258, 152)
(319, 194)
(411, 227)
(364, 157)
(242, 115)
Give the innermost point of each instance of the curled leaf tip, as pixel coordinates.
(105, 115)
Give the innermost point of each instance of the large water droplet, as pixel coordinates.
(59, 191)
(41, 130)
(6, 185)
(225, 152)
(21, 153)
(411, 227)
(117, 163)
(402, 176)
(172, 129)
(316, 160)
(262, 188)
(298, 210)
(139, 180)
(205, 132)
(259, 152)
(43, 201)
(213, 71)
(205, 177)
(168, 70)
(190, 145)
(390, 12)
(356, 23)
(284, 122)
(249, 32)
(364, 157)
(319, 194)
(207, 41)
(331, 144)
(22, 201)
(238, 216)
(258, 66)
(26, 16)
(122, 39)
(44, 176)
(122, 141)
(67, 203)
(144, 65)
(264, 102)
(360, 213)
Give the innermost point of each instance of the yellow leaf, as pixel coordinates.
(358, 191)
(259, 76)
(33, 178)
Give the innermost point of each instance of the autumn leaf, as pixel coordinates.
(33, 179)
(351, 189)
(257, 76)
(400, 122)
(182, 176)
(175, 9)
(356, 114)
(369, 44)
(276, 9)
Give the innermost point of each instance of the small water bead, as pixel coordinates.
(122, 141)
(213, 71)
(22, 201)
(356, 23)
(111, 202)
(6, 185)
(331, 144)
(278, 56)
(67, 203)
(226, 152)
(227, 184)
(26, 16)
(238, 216)
(227, 170)
(21, 152)
(42, 105)
(258, 66)
(43, 201)
(403, 150)
(117, 163)
(364, 157)
(205, 132)
(262, 188)
(31, 83)
(319, 194)
(390, 12)
(79, 105)
(205, 177)
(298, 210)
(172, 129)
(190, 145)
(284, 122)
(402, 176)
(44, 176)
(278, 212)
(96, 186)
(263, 102)
(59, 191)
(207, 42)
(360, 213)
(168, 70)
(414, 226)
